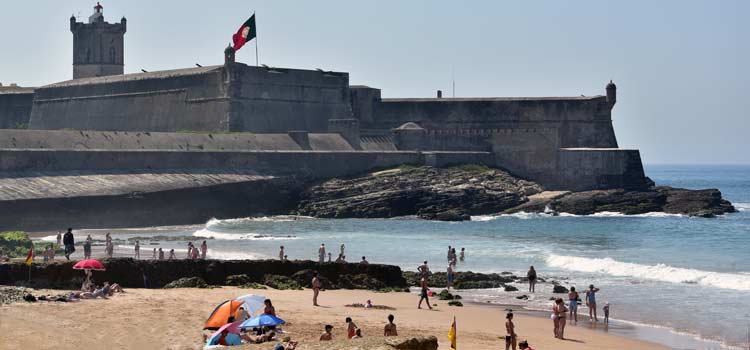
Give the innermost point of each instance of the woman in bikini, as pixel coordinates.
(510, 331)
(561, 311)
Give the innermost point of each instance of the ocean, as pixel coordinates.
(689, 277)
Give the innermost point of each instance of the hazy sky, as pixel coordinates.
(681, 67)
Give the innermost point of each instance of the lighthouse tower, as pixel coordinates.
(98, 46)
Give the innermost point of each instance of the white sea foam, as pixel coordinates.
(660, 272)
(742, 206)
(207, 233)
(229, 255)
(604, 214)
(278, 218)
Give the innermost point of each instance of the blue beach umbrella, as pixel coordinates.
(262, 320)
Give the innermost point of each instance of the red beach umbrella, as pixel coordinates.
(89, 264)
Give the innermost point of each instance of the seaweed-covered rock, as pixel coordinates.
(281, 282)
(559, 289)
(420, 343)
(446, 295)
(360, 281)
(187, 282)
(509, 288)
(455, 303)
(238, 280)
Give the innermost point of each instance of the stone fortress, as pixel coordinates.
(111, 149)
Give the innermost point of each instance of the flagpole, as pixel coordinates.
(256, 40)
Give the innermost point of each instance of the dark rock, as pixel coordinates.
(446, 295)
(455, 303)
(702, 203)
(559, 289)
(360, 281)
(509, 288)
(187, 282)
(463, 280)
(523, 297)
(238, 280)
(451, 194)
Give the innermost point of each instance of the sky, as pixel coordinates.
(681, 67)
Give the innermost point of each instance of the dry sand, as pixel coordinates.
(173, 319)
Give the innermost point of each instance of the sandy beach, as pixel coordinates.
(173, 319)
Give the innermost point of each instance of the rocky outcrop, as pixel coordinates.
(447, 194)
(457, 193)
(702, 203)
(464, 280)
(130, 273)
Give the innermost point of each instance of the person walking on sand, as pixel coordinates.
(204, 250)
(315, 288)
(322, 253)
(510, 332)
(573, 299)
(423, 294)
(69, 242)
(390, 328)
(591, 302)
(462, 256)
(531, 275)
(281, 253)
(137, 250)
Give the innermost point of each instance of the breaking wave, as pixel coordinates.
(659, 272)
(277, 218)
(742, 206)
(207, 233)
(604, 214)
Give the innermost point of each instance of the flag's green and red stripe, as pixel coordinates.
(246, 33)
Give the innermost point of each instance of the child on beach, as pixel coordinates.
(390, 328)
(351, 328)
(606, 312)
(510, 332)
(327, 335)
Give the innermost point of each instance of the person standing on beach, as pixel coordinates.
(423, 294)
(190, 250)
(423, 269)
(171, 255)
(449, 276)
(342, 249)
(154, 256)
(137, 249)
(449, 253)
(390, 328)
(559, 310)
(315, 288)
(322, 253)
(591, 302)
(204, 250)
(454, 257)
(59, 238)
(531, 275)
(510, 332)
(364, 261)
(606, 312)
(87, 247)
(195, 253)
(161, 254)
(281, 253)
(69, 243)
(573, 299)
(463, 255)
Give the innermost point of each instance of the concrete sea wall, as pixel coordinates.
(15, 108)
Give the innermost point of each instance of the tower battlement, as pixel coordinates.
(98, 46)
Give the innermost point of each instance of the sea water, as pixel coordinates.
(687, 275)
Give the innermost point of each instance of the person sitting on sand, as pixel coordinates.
(351, 328)
(531, 275)
(423, 294)
(269, 309)
(390, 328)
(327, 335)
(290, 345)
(364, 261)
(265, 337)
(524, 345)
(510, 332)
(241, 314)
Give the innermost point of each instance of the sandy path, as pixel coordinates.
(172, 319)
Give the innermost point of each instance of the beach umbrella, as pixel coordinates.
(232, 328)
(252, 302)
(222, 312)
(89, 264)
(262, 320)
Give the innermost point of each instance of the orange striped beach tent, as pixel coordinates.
(220, 315)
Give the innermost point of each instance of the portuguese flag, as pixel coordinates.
(246, 33)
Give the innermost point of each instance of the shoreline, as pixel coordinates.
(479, 326)
(631, 329)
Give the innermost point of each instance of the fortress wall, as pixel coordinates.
(317, 164)
(191, 99)
(280, 100)
(124, 140)
(15, 108)
(530, 153)
(583, 121)
(586, 169)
